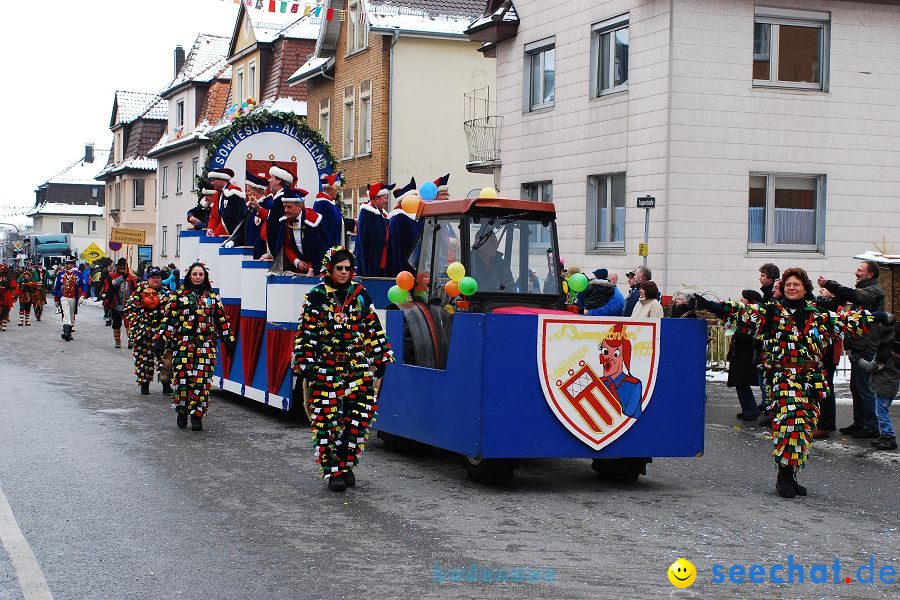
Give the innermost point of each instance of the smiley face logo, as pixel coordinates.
(682, 573)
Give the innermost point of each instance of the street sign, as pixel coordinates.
(646, 202)
(643, 249)
(92, 253)
(128, 236)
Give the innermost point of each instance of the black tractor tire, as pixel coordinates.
(489, 471)
(620, 469)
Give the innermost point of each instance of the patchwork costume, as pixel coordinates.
(9, 289)
(31, 292)
(144, 310)
(341, 350)
(192, 322)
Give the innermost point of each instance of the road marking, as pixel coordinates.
(28, 571)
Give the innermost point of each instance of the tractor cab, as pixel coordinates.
(508, 246)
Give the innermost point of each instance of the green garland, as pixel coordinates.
(262, 118)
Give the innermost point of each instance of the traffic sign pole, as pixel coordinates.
(646, 202)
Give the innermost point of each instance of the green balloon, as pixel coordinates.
(467, 286)
(398, 295)
(578, 282)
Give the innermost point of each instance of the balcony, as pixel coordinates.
(482, 127)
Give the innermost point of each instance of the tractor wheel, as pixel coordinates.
(393, 443)
(489, 471)
(620, 469)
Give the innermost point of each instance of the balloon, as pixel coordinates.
(456, 271)
(452, 289)
(397, 295)
(488, 192)
(467, 286)
(410, 204)
(405, 280)
(578, 282)
(565, 287)
(422, 281)
(428, 191)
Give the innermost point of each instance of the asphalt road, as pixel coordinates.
(116, 502)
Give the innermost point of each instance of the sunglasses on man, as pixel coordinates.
(343, 268)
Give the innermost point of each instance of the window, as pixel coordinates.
(539, 192)
(348, 123)
(357, 28)
(540, 81)
(609, 56)
(365, 117)
(785, 211)
(790, 48)
(118, 203)
(178, 240)
(195, 167)
(93, 226)
(179, 114)
(179, 170)
(119, 150)
(606, 211)
(95, 193)
(164, 181)
(238, 93)
(162, 241)
(251, 80)
(67, 227)
(138, 193)
(325, 119)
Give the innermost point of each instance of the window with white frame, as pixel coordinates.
(178, 240)
(785, 211)
(179, 114)
(606, 211)
(349, 123)
(138, 185)
(164, 181)
(365, 118)
(179, 171)
(195, 168)
(540, 74)
(66, 227)
(95, 193)
(791, 48)
(541, 191)
(325, 119)
(93, 226)
(118, 196)
(163, 240)
(237, 95)
(251, 80)
(357, 28)
(609, 56)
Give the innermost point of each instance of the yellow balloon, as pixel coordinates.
(410, 204)
(456, 271)
(488, 192)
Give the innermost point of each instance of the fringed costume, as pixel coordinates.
(144, 310)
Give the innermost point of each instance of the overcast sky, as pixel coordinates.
(64, 61)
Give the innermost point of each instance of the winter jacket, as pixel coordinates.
(648, 309)
(868, 295)
(633, 296)
(884, 369)
(742, 361)
(602, 299)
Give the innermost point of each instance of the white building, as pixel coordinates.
(766, 131)
(83, 223)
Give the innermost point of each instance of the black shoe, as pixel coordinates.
(349, 478)
(784, 485)
(145, 389)
(885, 443)
(167, 389)
(182, 420)
(801, 491)
(766, 421)
(849, 429)
(745, 417)
(196, 423)
(865, 433)
(337, 484)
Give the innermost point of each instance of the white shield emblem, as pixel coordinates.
(597, 373)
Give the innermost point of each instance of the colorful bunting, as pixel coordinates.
(293, 6)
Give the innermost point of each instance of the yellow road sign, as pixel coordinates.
(643, 249)
(128, 236)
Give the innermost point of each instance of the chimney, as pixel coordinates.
(179, 59)
(89, 153)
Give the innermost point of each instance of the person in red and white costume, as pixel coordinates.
(227, 209)
(332, 229)
(370, 251)
(301, 250)
(66, 292)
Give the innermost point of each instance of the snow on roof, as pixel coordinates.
(283, 105)
(198, 134)
(884, 259)
(303, 29)
(268, 26)
(130, 164)
(56, 208)
(81, 172)
(310, 66)
(205, 61)
(503, 13)
(423, 16)
(131, 105)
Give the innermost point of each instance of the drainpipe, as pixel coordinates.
(390, 160)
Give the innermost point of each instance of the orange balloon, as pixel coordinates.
(405, 280)
(451, 288)
(410, 204)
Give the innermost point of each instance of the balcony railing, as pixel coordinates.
(482, 127)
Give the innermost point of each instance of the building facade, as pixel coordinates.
(765, 133)
(386, 90)
(82, 224)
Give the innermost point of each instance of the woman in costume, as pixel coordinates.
(793, 334)
(193, 320)
(144, 310)
(31, 290)
(341, 349)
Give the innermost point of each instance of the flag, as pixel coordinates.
(306, 10)
(271, 5)
(329, 16)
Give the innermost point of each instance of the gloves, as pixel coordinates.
(884, 318)
(716, 308)
(379, 370)
(229, 244)
(159, 346)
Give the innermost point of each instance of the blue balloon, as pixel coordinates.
(428, 191)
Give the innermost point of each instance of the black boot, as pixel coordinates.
(349, 478)
(145, 389)
(67, 333)
(801, 491)
(182, 420)
(784, 485)
(337, 484)
(196, 422)
(167, 389)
